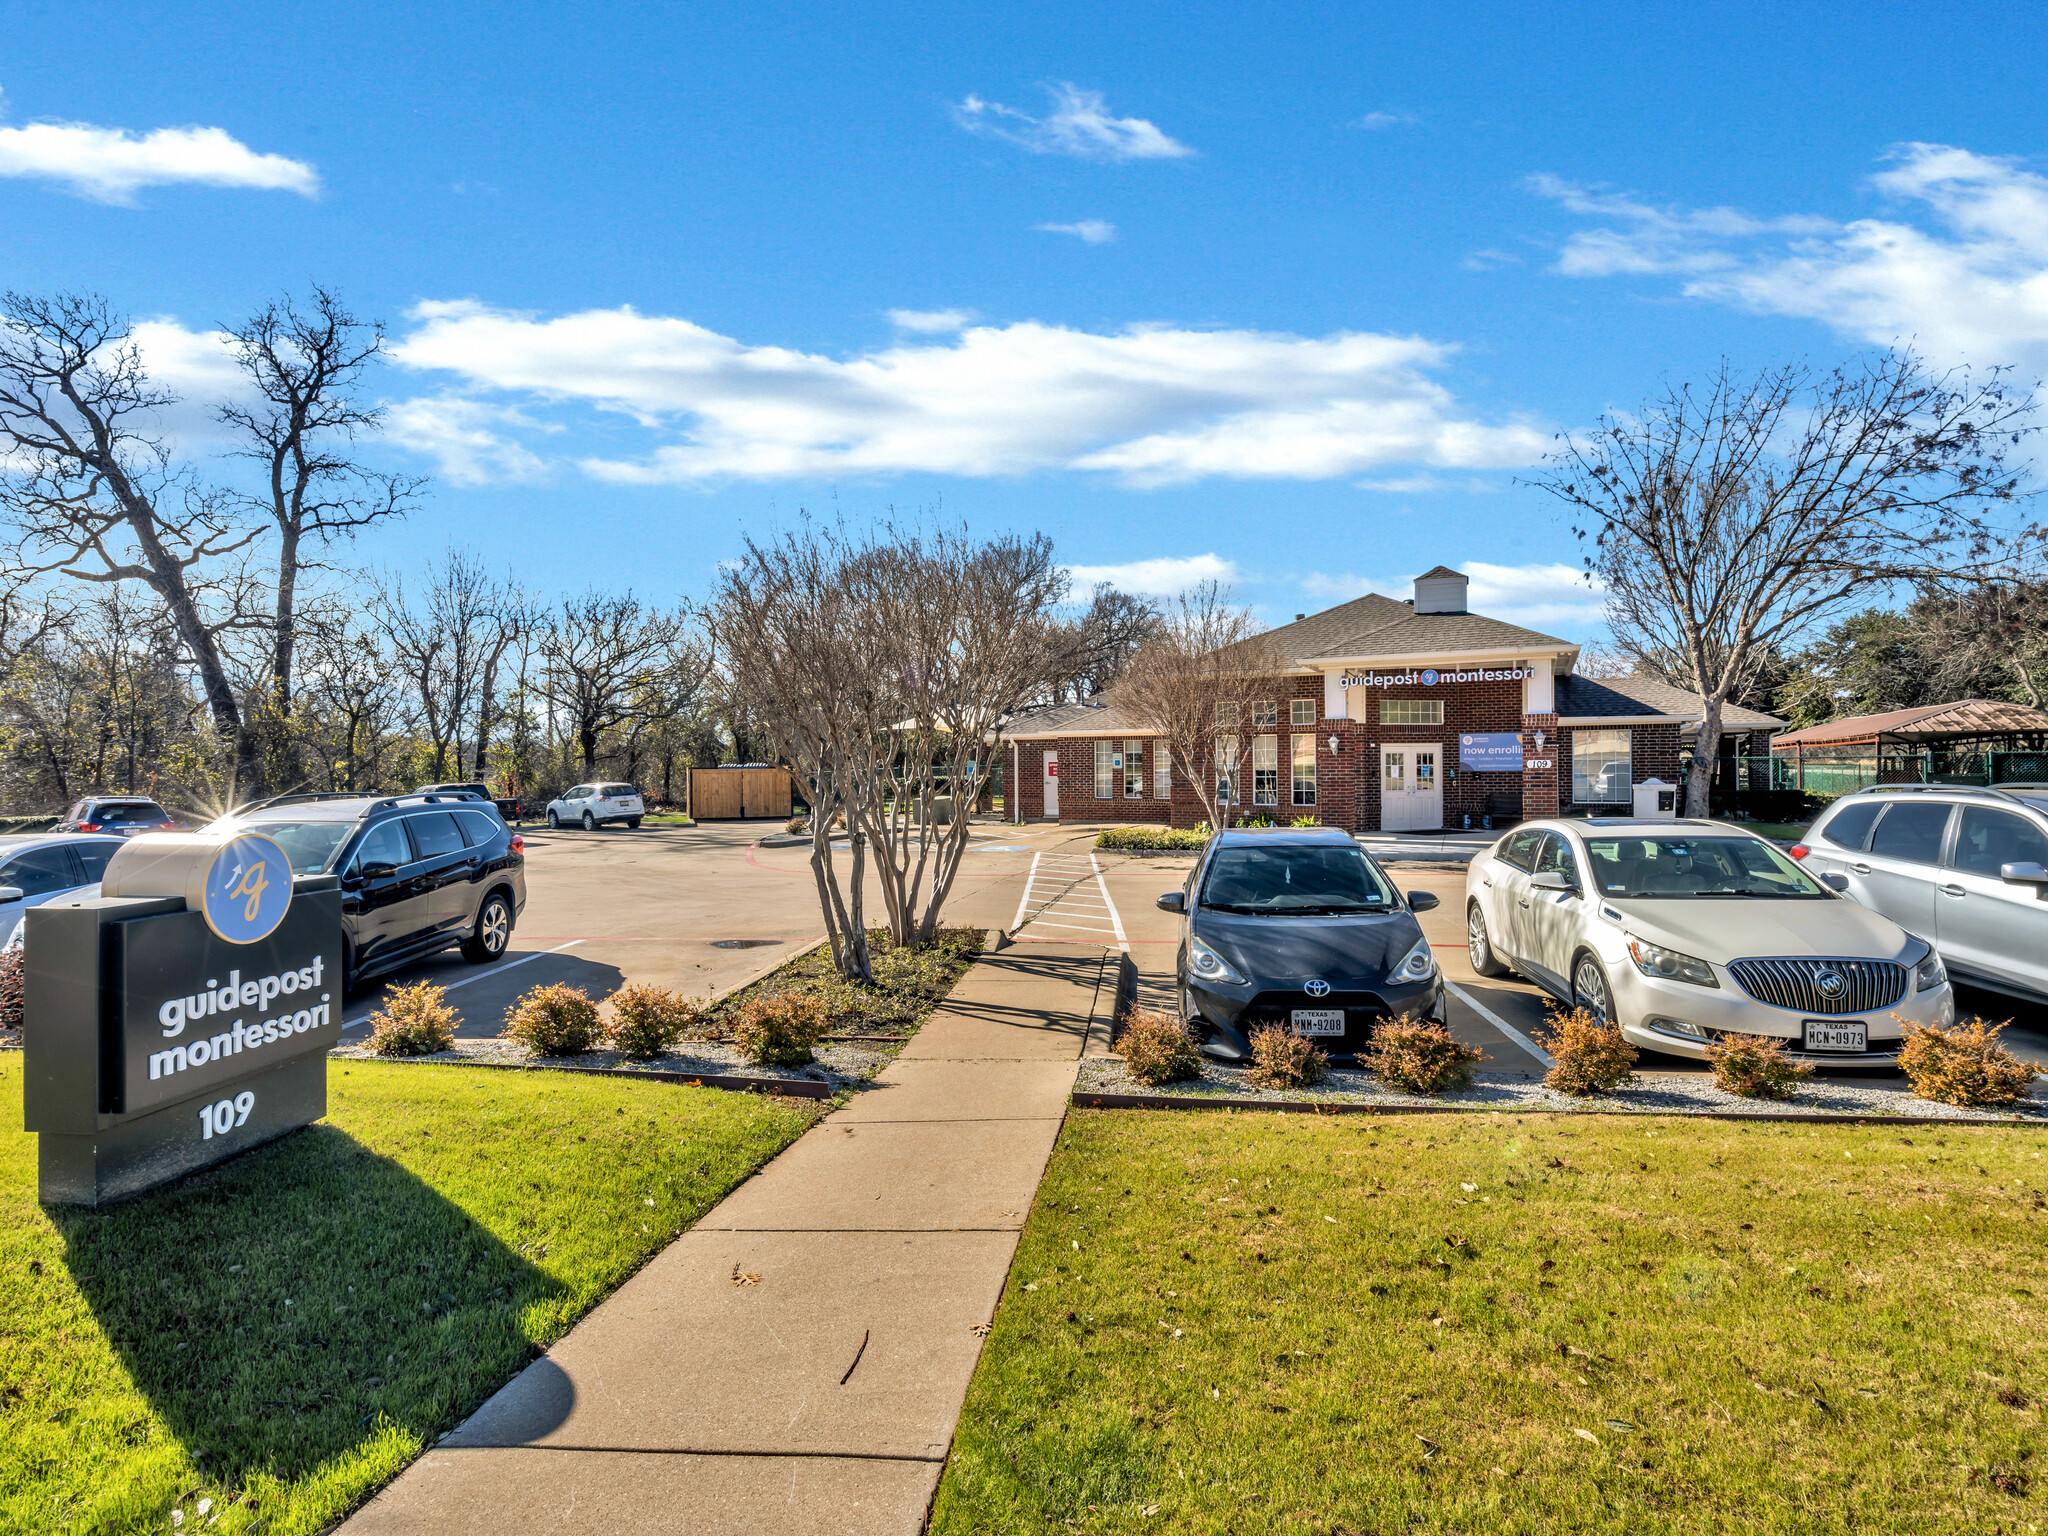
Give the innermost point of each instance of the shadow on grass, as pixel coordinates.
(285, 1308)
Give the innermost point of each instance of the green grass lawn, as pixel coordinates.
(276, 1337)
(1274, 1323)
(667, 819)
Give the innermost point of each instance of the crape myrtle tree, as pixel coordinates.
(1728, 519)
(883, 668)
(1194, 686)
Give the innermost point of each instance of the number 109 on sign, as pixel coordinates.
(219, 1119)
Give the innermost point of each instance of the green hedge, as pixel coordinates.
(26, 823)
(1151, 840)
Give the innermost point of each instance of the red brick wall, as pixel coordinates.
(1653, 754)
(1541, 794)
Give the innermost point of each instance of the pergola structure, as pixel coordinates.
(1983, 741)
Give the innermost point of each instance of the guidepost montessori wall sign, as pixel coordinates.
(182, 1017)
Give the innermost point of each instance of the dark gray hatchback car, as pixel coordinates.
(1298, 927)
(419, 873)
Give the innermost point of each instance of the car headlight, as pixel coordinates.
(1669, 964)
(1210, 966)
(1929, 973)
(1417, 965)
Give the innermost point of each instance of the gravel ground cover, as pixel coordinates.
(1659, 1095)
(839, 1066)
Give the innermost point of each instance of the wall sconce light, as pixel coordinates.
(1334, 748)
(1539, 741)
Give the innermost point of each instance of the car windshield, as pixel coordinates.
(618, 791)
(1294, 879)
(1637, 866)
(310, 845)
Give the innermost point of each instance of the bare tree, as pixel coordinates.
(93, 494)
(351, 690)
(1195, 685)
(301, 425)
(599, 658)
(1726, 521)
(1096, 646)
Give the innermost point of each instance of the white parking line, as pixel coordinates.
(496, 970)
(1499, 1023)
(1024, 901)
(1102, 885)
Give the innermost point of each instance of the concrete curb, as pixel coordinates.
(1084, 1100)
(786, 1087)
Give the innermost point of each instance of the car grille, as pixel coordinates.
(1361, 1011)
(1870, 984)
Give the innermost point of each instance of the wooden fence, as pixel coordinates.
(734, 794)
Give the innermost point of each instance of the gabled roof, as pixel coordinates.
(1928, 722)
(1582, 698)
(1438, 572)
(1380, 626)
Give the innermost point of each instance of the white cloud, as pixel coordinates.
(1490, 259)
(111, 165)
(1544, 595)
(1090, 231)
(1973, 287)
(935, 322)
(1375, 121)
(1079, 124)
(1167, 576)
(1151, 404)
(462, 438)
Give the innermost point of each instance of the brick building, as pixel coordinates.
(1395, 715)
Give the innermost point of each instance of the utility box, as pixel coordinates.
(1656, 801)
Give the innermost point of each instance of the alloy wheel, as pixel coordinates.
(494, 927)
(1477, 947)
(589, 822)
(1589, 988)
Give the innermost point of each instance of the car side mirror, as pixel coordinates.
(1835, 882)
(377, 870)
(9, 893)
(2023, 874)
(1549, 880)
(1421, 901)
(1172, 901)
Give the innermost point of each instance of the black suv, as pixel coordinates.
(418, 873)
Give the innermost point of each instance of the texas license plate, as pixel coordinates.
(1318, 1021)
(1830, 1035)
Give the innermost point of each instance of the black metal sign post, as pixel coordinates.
(155, 1047)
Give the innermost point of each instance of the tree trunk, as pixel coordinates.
(1706, 752)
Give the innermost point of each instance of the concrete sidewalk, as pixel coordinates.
(795, 1363)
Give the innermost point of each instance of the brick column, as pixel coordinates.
(1540, 785)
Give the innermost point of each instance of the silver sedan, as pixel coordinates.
(1685, 931)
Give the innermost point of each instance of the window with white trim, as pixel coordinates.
(1226, 770)
(1302, 712)
(1162, 771)
(1105, 770)
(1265, 712)
(1411, 711)
(1226, 717)
(1601, 768)
(1134, 769)
(1265, 770)
(1304, 770)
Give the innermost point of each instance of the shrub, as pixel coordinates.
(1157, 1047)
(647, 1020)
(1588, 1054)
(780, 1029)
(1283, 1059)
(12, 990)
(1419, 1057)
(414, 1021)
(1755, 1066)
(1306, 821)
(797, 826)
(558, 1020)
(1964, 1064)
(1151, 839)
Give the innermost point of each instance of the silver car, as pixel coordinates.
(1682, 931)
(1966, 867)
(45, 866)
(591, 806)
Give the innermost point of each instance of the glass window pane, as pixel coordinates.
(1411, 711)
(1302, 712)
(41, 871)
(1988, 840)
(1134, 770)
(1600, 767)
(434, 834)
(478, 829)
(1519, 849)
(1226, 770)
(1394, 772)
(94, 856)
(1105, 770)
(1911, 833)
(1162, 772)
(384, 844)
(1266, 712)
(1226, 716)
(1304, 770)
(1265, 770)
(1851, 826)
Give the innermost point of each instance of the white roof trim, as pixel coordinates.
(1411, 658)
(1576, 720)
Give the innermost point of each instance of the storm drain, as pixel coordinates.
(743, 943)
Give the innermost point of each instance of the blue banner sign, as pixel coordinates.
(1490, 752)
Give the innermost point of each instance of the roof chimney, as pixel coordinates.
(1440, 590)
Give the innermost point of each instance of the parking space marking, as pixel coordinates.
(1499, 1023)
(496, 970)
(1059, 884)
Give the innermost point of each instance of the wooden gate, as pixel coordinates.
(732, 794)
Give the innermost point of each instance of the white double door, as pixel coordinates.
(1411, 792)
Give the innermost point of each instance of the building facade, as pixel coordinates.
(1391, 715)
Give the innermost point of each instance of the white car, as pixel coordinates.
(590, 806)
(1682, 931)
(44, 866)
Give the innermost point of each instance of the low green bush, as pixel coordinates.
(1157, 1047)
(1283, 1059)
(1147, 839)
(647, 1020)
(10, 989)
(1419, 1057)
(1964, 1064)
(1755, 1067)
(558, 1020)
(414, 1021)
(1588, 1054)
(781, 1029)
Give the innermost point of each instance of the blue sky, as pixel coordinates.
(1287, 294)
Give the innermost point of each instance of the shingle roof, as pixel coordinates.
(1618, 697)
(1379, 626)
(1928, 722)
(1436, 572)
(1088, 718)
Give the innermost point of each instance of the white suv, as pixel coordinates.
(590, 806)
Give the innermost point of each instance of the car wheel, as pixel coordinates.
(1589, 988)
(589, 822)
(493, 930)
(1479, 944)
(554, 821)
(632, 821)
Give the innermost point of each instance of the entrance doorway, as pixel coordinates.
(1052, 784)
(1411, 796)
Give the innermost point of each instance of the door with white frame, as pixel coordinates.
(1411, 793)
(1052, 784)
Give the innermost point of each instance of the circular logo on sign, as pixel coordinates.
(1429, 679)
(248, 887)
(1318, 989)
(1830, 984)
